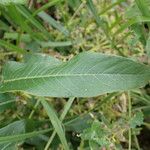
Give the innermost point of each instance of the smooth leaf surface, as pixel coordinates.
(6, 2)
(86, 75)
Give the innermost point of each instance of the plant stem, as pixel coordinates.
(146, 124)
(31, 2)
(136, 142)
(66, 109)
(33, 110)
(7, 102)
(129, 110)
(77, 11)
(19, 37)
(142, 107)
(111, 6)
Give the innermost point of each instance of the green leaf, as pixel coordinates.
(42, 58)
(79, 123)
(94, 12)
(4, 26)
(14, 36)
(130, 22)
(147, 48)
(47, 18)
(143, 7)
(56, 123)
(6, 101)
(55, 44)
(11, 47)
(6, 2)
(96, 134)
(20, 137)
(64, 113)
(18, 131)
(25, 12)
(46, 6)
(13, 128)
(136, 120)
(17, 19)
(138, 9)
(86, 75)
(99, 21)
(136, 14)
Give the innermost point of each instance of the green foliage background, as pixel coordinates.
(44, 39)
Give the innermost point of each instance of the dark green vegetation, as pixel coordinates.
(58, 90)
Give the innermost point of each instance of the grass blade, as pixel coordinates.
(11, 47)
(56, 123)
(147, 48)
(66, 109)
(20, 137)
(53, 23)
(31, 19)
(44, 7)
(98, 20)
(7, 2)
(55, 44)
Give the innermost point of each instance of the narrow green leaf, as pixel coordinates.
(11, 47)
(111, 6)
(139, 19)
(17, 20)
(6, 2)
(76, 124)
(17, 127)
(147, 48)
(14, 36)
(22, 10)
(4, 26)
(55, 44)
(64, 113)
(53, 23)
(143, 7)
(94, 12)
(20, 137)
(99, 21)
(86, 75)
(6, 101)
(66, 108)
(44, 7)
(55, 122)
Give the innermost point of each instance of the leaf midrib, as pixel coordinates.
(66, 75)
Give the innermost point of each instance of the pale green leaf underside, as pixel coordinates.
(86, 75)
(6, 2)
